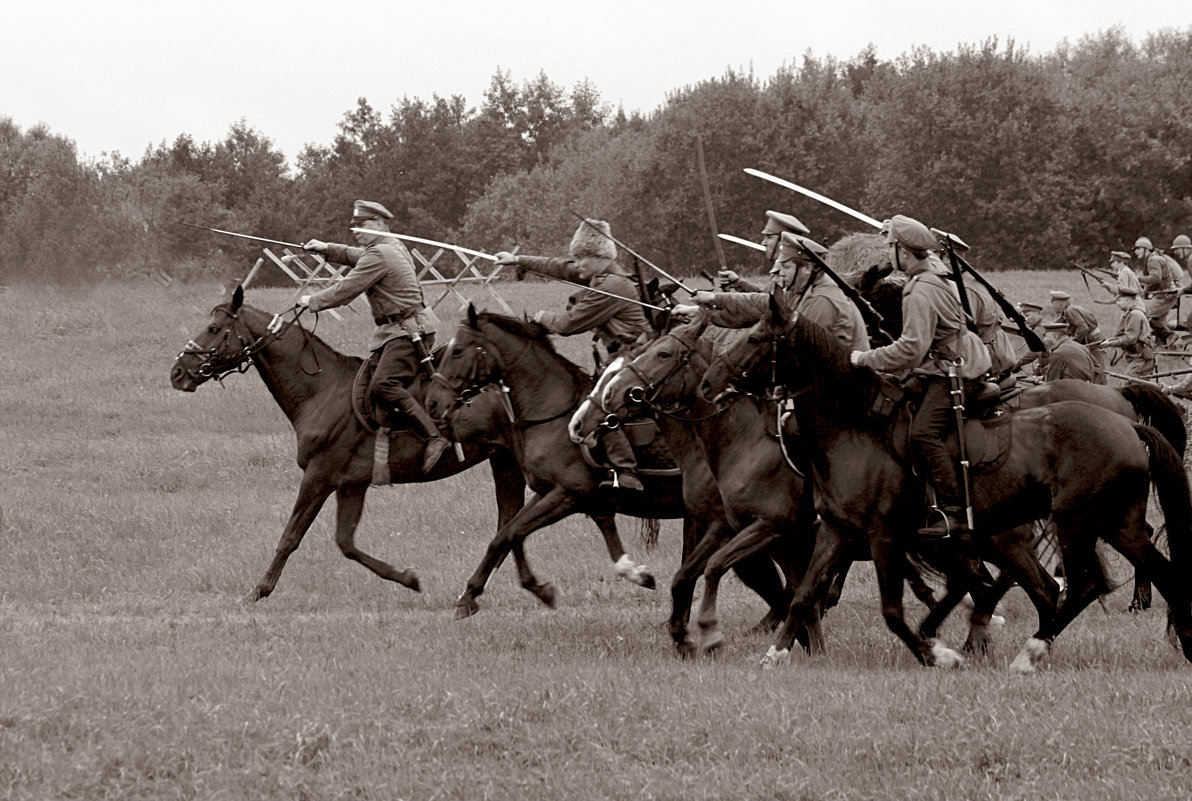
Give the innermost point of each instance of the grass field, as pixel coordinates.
(133, 518)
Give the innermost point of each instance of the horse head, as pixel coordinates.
(223, 346)
(468, 366)
(736, 368)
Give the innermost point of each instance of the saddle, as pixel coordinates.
(987, 432)
(653, 456)
(362, 404)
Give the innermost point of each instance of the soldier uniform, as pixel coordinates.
(1134, 336)
(1083, 327)
(934, 336)
(1119, 261)
(1067, 358)
(1159, 290)
(616, 323)
(384, 273)
(1033, 314)
(811, 292)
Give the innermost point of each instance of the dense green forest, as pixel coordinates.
(1035, 160)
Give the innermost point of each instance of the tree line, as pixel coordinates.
(1037, 161)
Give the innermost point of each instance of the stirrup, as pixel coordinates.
(949, 523)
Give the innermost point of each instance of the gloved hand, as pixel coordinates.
(684, 312)
(316, 245)
(538, 316)
(703, 297)
(854, 358)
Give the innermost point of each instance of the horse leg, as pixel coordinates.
(1141, 600)
(542, 510)
(752, 539)
(623, 565)
(349, 506)
(828, 559)
(889, 559)
(977, 641)
(683, 582)
(758, 573)
(1150, 563)
(312, 494)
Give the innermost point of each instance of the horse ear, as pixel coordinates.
(237, 297)
(777, 307)
(473, 318)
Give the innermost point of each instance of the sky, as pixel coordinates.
(122, 75)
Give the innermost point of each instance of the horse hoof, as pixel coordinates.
(466, 607)
(1034, 650)
(775, 658)
(684, 649)
(945, 657)
(408, 578)
(548, 594)
(254, 596)
(712, 643)
(647, 581)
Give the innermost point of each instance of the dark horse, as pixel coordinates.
(1086, 467)
(761, 476)
(312, 383)
(767, 507)
(544, 389)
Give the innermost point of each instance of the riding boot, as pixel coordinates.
(621, 457)
(436, 443)
(380, 475)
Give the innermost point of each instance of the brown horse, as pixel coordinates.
(543, 390)
(760, 476)
(1086, 467)
(767, 506)
(312, 383)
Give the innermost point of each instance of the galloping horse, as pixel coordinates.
(312, 383)
(544, 390)
(763, 499)
(1086, 467)
(764, 488)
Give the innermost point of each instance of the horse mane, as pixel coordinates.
(853, 388)
(534, 332)
(322, 348)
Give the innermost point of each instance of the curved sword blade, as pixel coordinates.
(827, 201)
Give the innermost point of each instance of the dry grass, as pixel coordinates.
(133, 518)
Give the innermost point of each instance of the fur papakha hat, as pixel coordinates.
(593, 238)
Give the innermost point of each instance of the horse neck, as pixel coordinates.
(298, 368)
(540, 383)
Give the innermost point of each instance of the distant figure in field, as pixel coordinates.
(1134, 336)
(1083, 327)
(1067, 358)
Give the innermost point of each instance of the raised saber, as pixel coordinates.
(633, 253)
(594, 289)
(241, 236)
(432, 242)
(739, 241)
(827, 201)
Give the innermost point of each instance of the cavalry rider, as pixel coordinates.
(616, 323)
(1067, 358)
(808, 290)
(934, 337)
(1083, 327)
(1159, 287)
(384, 273)
(1134, 335)
(776, 225)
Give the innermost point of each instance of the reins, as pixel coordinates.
(218, 364)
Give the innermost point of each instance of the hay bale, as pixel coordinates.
(856, 253)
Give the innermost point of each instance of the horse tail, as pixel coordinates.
(1175, 499)
(1155, 408)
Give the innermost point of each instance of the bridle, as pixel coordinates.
(646, 395)
(220, 360)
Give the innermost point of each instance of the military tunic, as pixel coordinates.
(824, 304)
(1136, 341)
(384, 273)
(1070, 359)
(614, 322)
